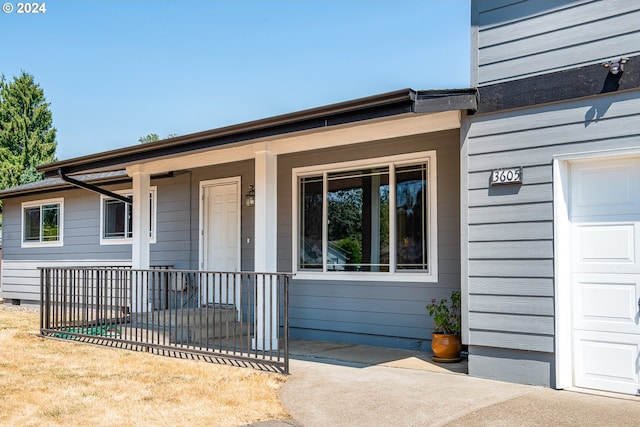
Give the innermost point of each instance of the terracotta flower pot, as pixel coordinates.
(446, 347)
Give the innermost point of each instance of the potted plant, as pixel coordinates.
(445, 342)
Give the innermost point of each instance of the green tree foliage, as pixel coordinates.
(345, 213)
(153, 137)
(352, 249)
(27, 137)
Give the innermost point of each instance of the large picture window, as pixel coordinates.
(117, 219)
(377, 217)
(42, 223)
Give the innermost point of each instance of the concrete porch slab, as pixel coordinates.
(365, 355)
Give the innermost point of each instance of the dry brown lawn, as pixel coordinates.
(46, 382)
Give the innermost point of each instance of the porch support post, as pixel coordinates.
(265, 255)
(140, 238)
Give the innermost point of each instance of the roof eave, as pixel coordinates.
(57, 186)
(387, 104)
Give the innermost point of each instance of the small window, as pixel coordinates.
(118, 222)
(42, 223)
(117, 219)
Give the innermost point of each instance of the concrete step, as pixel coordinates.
(197, 317)
(232, 331)
(198, 326)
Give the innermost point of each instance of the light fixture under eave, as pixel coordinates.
(250, 197)
(616, 67)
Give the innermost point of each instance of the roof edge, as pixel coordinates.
(400, 97)
(57, 184)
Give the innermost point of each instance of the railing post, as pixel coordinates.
(266, 313)
(97, 293)
(45, 299)
(285, 321)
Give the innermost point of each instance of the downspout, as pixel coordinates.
(93, 188)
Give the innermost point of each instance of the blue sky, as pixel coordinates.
(114, 71)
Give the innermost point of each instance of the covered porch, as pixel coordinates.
(393, 159)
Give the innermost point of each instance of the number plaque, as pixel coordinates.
(506, 176)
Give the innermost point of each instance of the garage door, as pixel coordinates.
(605, 246)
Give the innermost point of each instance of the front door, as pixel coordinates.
(605, 246)
(221, 236)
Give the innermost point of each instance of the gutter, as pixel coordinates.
(93, 188)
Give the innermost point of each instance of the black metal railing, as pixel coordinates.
(232, 318)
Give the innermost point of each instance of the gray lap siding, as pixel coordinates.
(510, 249)
(514, 39)
(81, 238)
(177, 230)
(372, 312)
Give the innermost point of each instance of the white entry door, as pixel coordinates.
(605, 246)
(221, 237)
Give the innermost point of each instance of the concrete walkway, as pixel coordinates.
(345, 385)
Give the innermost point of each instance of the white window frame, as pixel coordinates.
(428, 157)
(40, 203)
(128, 240)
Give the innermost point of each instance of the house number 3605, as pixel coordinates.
(506, 176)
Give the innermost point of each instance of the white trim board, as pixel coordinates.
(201, 220)
(153, 190)
(562, 259)
(352, 133)
(40, 203)
(409, 276)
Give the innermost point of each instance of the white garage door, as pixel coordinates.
(605, 246)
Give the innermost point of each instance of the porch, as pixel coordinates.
(232, 318)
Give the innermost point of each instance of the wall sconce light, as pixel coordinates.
(250, 197)
(616, 67)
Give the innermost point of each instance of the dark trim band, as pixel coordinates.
(559, 86)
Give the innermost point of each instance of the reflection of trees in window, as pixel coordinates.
(357, 234)
(358, 225)
(411, 218)
(42, 223)
(310, 249)
(344, 210)
(50, 223)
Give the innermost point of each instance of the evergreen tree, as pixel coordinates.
(27, 137)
